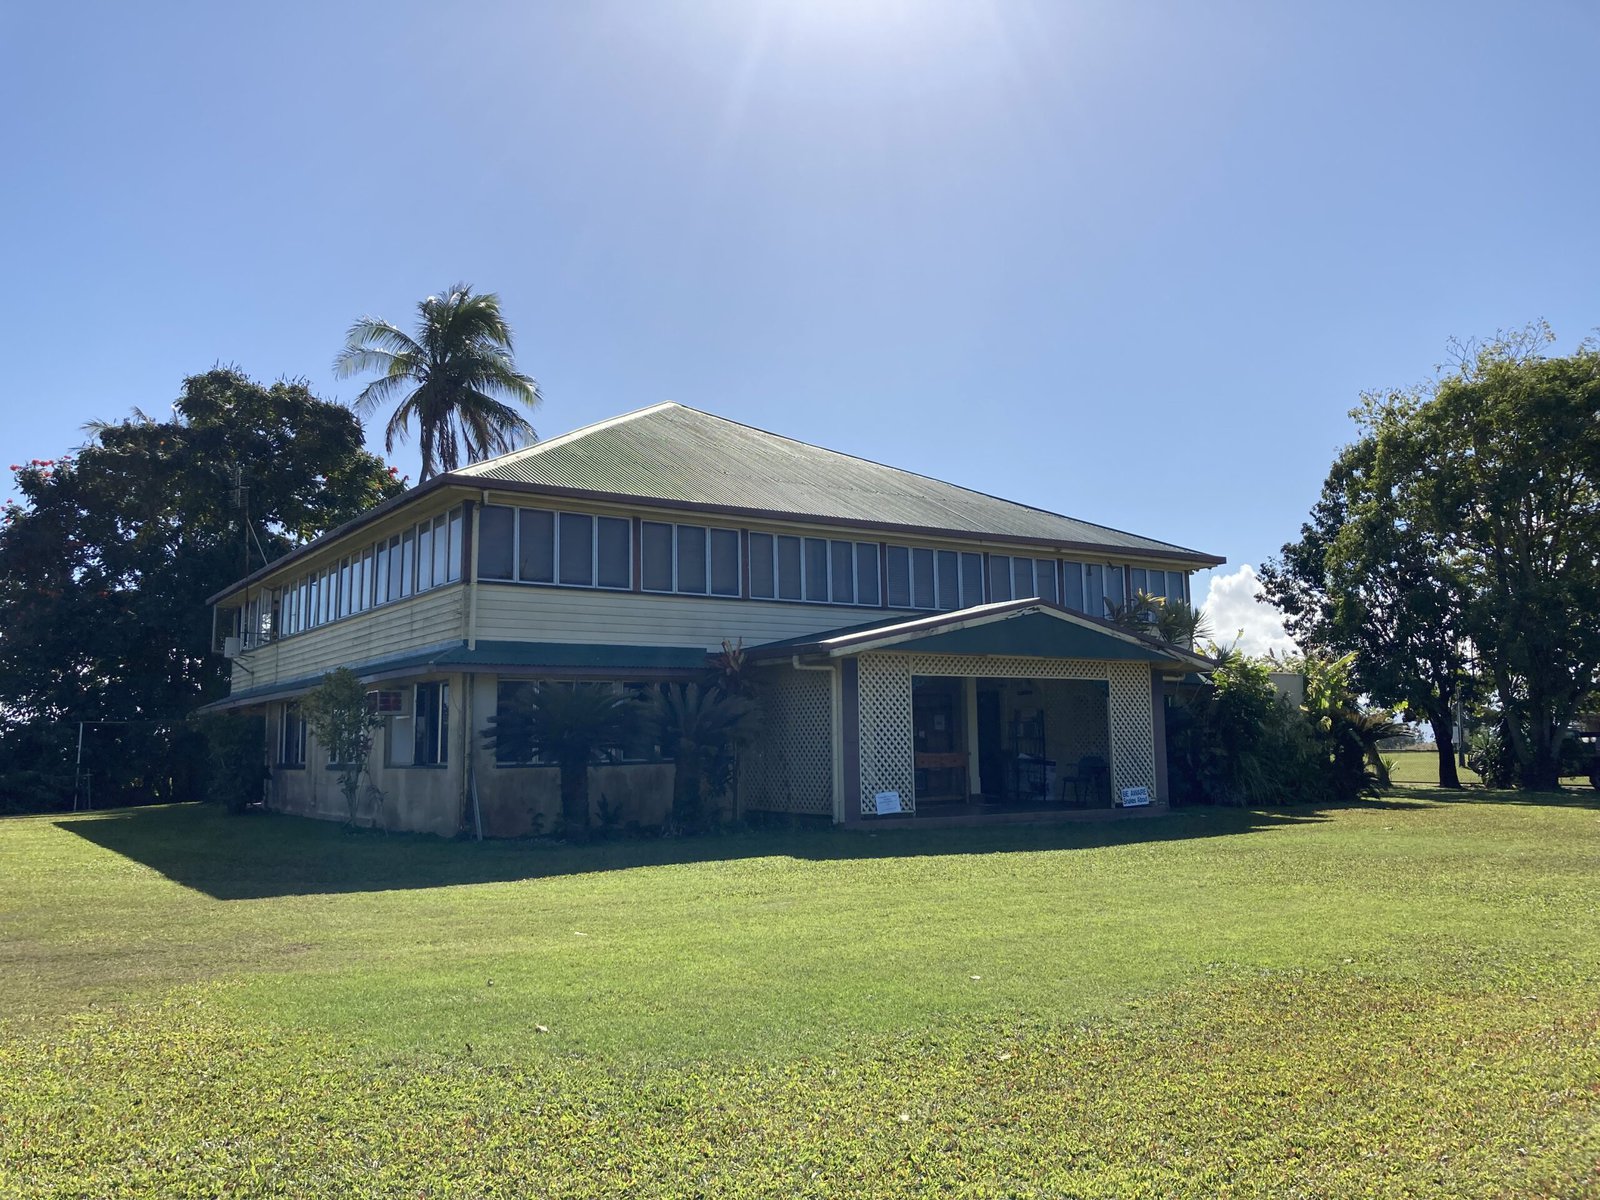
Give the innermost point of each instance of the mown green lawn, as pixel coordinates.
(1395, 999)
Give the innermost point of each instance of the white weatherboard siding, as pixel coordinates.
(509, 612)
(384, 632)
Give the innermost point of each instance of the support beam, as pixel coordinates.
(974, 775)
(1158, 731)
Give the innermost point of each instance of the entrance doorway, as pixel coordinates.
(939, 741)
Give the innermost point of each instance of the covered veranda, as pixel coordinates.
(995, 711)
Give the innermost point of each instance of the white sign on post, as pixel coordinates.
(1135, 797)
(887, 802)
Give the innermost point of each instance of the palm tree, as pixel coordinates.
(453, 378)
(702, 728)
(570, 725)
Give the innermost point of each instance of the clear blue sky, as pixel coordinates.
(1128, 261)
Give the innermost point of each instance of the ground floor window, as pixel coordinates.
(431, 725)
(518, 738)
(291, 736)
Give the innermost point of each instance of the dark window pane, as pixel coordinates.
(441, 545)
(425, 556)
(537, 552)
(1140, 583)
(725, 562)
(999, 577)
(691, 558)
(899, 577)
(1044, 578)
(816, 569)
(949, 579)
(1094, 589)
(867, 591)
(425, 747)
(971, 579)
(657, 556)
(761, 565)
(1174, 585)
(513, 722)
(380, 575)
(577, 549)
(394, 568)
(922, 578)
(616, 552)
(788, 568)
(1072, 585)
(1022, 579)
(1114, 583)
(453, 567)
(408, 562)
(841, 566)
(495, 558)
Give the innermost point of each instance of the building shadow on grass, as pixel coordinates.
(1571, 796)
(259, 856)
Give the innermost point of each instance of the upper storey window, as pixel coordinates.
(696, 560)
(424, 555)
(814, 570)
(535, 545)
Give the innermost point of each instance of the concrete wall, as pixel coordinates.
(414, 799)
(526, 801)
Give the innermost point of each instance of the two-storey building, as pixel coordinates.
(917, 645)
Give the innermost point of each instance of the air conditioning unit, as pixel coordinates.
(231, 646)
(388, 702)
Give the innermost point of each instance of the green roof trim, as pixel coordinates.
(1034, 635)
(554, 656)
(1024, 628)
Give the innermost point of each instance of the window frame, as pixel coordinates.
(297, 722)
(596, 521)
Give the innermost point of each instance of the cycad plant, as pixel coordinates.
(570, 725)
(702, 729)
(1175, 622)
(455, 378)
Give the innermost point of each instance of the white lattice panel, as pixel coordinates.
(886, 761)
(1133, 753)
(790, 766)
(886, 752)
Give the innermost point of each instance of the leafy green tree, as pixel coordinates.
(1506, 459)
(339, 717)
(452, 378)
(570, 725)
(1370, 577)
(108, 556)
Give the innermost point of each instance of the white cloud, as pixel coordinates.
(1236, 615)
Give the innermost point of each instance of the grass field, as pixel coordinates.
(1420, 768)
(1396, 999)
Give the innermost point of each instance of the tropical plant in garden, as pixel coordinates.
(454, 378)
(1175, 622)
(340, 717)
(702, 729)
(1239, 741)
(570, 725)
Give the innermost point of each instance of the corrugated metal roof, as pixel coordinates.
(674, 453)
